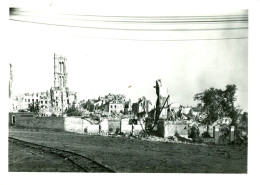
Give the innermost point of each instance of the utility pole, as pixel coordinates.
(61, 103)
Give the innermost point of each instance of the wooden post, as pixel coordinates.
(232, 134)
(216, 134)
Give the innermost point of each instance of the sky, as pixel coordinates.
(109, 61)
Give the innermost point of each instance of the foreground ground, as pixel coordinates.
(22, 159)
(125, 154)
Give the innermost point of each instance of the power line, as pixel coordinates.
(159, 17)
(182, 21)
(167, 40)
(129, 29)
(139, 17)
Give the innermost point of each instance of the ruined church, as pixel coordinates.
(55, 101)
(61, 96)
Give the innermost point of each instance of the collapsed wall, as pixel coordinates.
(74, 124)
(170, 128)
(78, 125)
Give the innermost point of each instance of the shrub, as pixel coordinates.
(224, 131)
(194, 132)
(53, 115)
(205, 134)
(73, 111)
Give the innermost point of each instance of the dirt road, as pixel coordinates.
(134, 155)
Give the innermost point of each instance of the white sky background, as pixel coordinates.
(100, 66)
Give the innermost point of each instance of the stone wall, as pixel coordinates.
(92, 129)
(29, 120)
(169, 128)
(124, 121)
(55, 123)
(113, 126)
(75, 124)
(16, 117)
(203, 128)
(126, 128)
(182, 130)
(137, 129)
(103, 127)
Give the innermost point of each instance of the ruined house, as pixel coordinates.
(128, 107)
(142, 106)
(109, 103)
(22, 101)
(116, 106)
(162, 102)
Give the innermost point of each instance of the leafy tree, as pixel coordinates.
(218, 103)
(244, 118)
(21, 110)
(84, 105)
(210, 103)
(73, 111)
(34, 107)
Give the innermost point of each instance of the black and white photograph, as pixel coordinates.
(102, 88)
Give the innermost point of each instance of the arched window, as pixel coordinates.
(61, 81)
(62, 65)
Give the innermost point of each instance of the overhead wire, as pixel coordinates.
(167, 40)
(146, 17)
(130, 29)
(149, 19)
(189, 21)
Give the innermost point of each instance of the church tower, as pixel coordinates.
(61, 97)
(60, 75)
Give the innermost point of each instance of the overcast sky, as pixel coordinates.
(108, 61)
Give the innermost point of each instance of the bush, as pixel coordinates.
(241, 135)
(194, 132)
(53, 115)
(224, 131)
(205, 134)
(73, 111)
(22, 110)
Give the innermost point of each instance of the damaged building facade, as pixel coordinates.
(110, 103)
(53, 101)
(163, 99)
(142, 106)
(61, 97)
(40, 98)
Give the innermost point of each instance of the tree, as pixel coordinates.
(218, 103)
(244, 118)
(34, 107)
(210, 101)
(73, 111)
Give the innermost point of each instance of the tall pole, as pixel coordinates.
(54, 70)
(11, 89)
(62, 103)
(11, 83)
